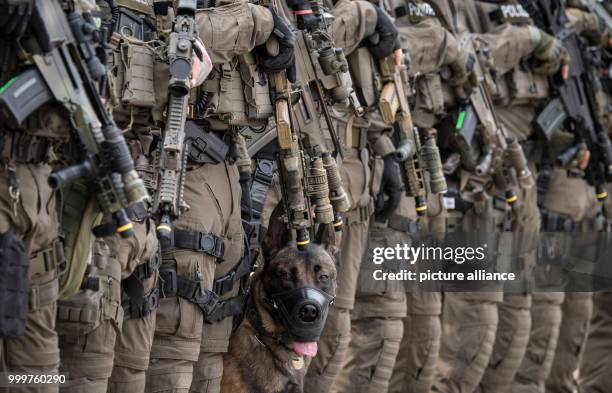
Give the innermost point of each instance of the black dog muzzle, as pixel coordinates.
(304, 310)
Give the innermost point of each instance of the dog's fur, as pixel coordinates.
(257, 363)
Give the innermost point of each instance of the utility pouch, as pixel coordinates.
(138, 88)
(525, 87)
(79, 314)
(366, 79)
(14, 293)
(205, 147)
(226, 94)
(256, 90)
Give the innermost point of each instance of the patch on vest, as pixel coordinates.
(514, 11)
(421, 10)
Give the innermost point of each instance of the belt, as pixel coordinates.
(207, 243)
(47, 260)
(24, 148)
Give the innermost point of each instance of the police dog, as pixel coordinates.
(284, 315)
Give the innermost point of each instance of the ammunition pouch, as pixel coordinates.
(205, 147)
(24, 148)
(134, 71)
(237, 96)
(137, 304)
(207, 243)
(525, 87)
(256, 92)
(214, 309)
(97, 300)
(14, 293)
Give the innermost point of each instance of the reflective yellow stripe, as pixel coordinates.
(302, 242)
(421, 208)
(164, 227)
(338, 223)
(512, 199)
(602, 195)
(125, 227)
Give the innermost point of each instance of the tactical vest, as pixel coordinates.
(520, 86)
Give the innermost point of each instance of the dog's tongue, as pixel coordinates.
(306, 348)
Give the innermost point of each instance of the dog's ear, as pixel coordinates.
(326, 237)
(277, 236)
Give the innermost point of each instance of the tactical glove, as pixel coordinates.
(284, 58)
(391, 187)
(385, 39)
(14, 17)
(590, 25)
(551, 55)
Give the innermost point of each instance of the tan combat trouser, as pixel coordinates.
(187, 351)
(376, 323)
(514, 324)
(595, 375)
(416, 360)
(469, 324)
(577, 309)
(469, 319)
(545, 323)
(37, 223)
(335, 337)
(546, 312)
(88, 323)
(111, 353)
(133, 345)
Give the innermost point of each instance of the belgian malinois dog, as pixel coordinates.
(285, 312)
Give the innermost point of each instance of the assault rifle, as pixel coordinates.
(169, 203)
(325, 66)
(415, 157)
(577, 93)
(484, 147)
(65, 68)
(291, 162)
